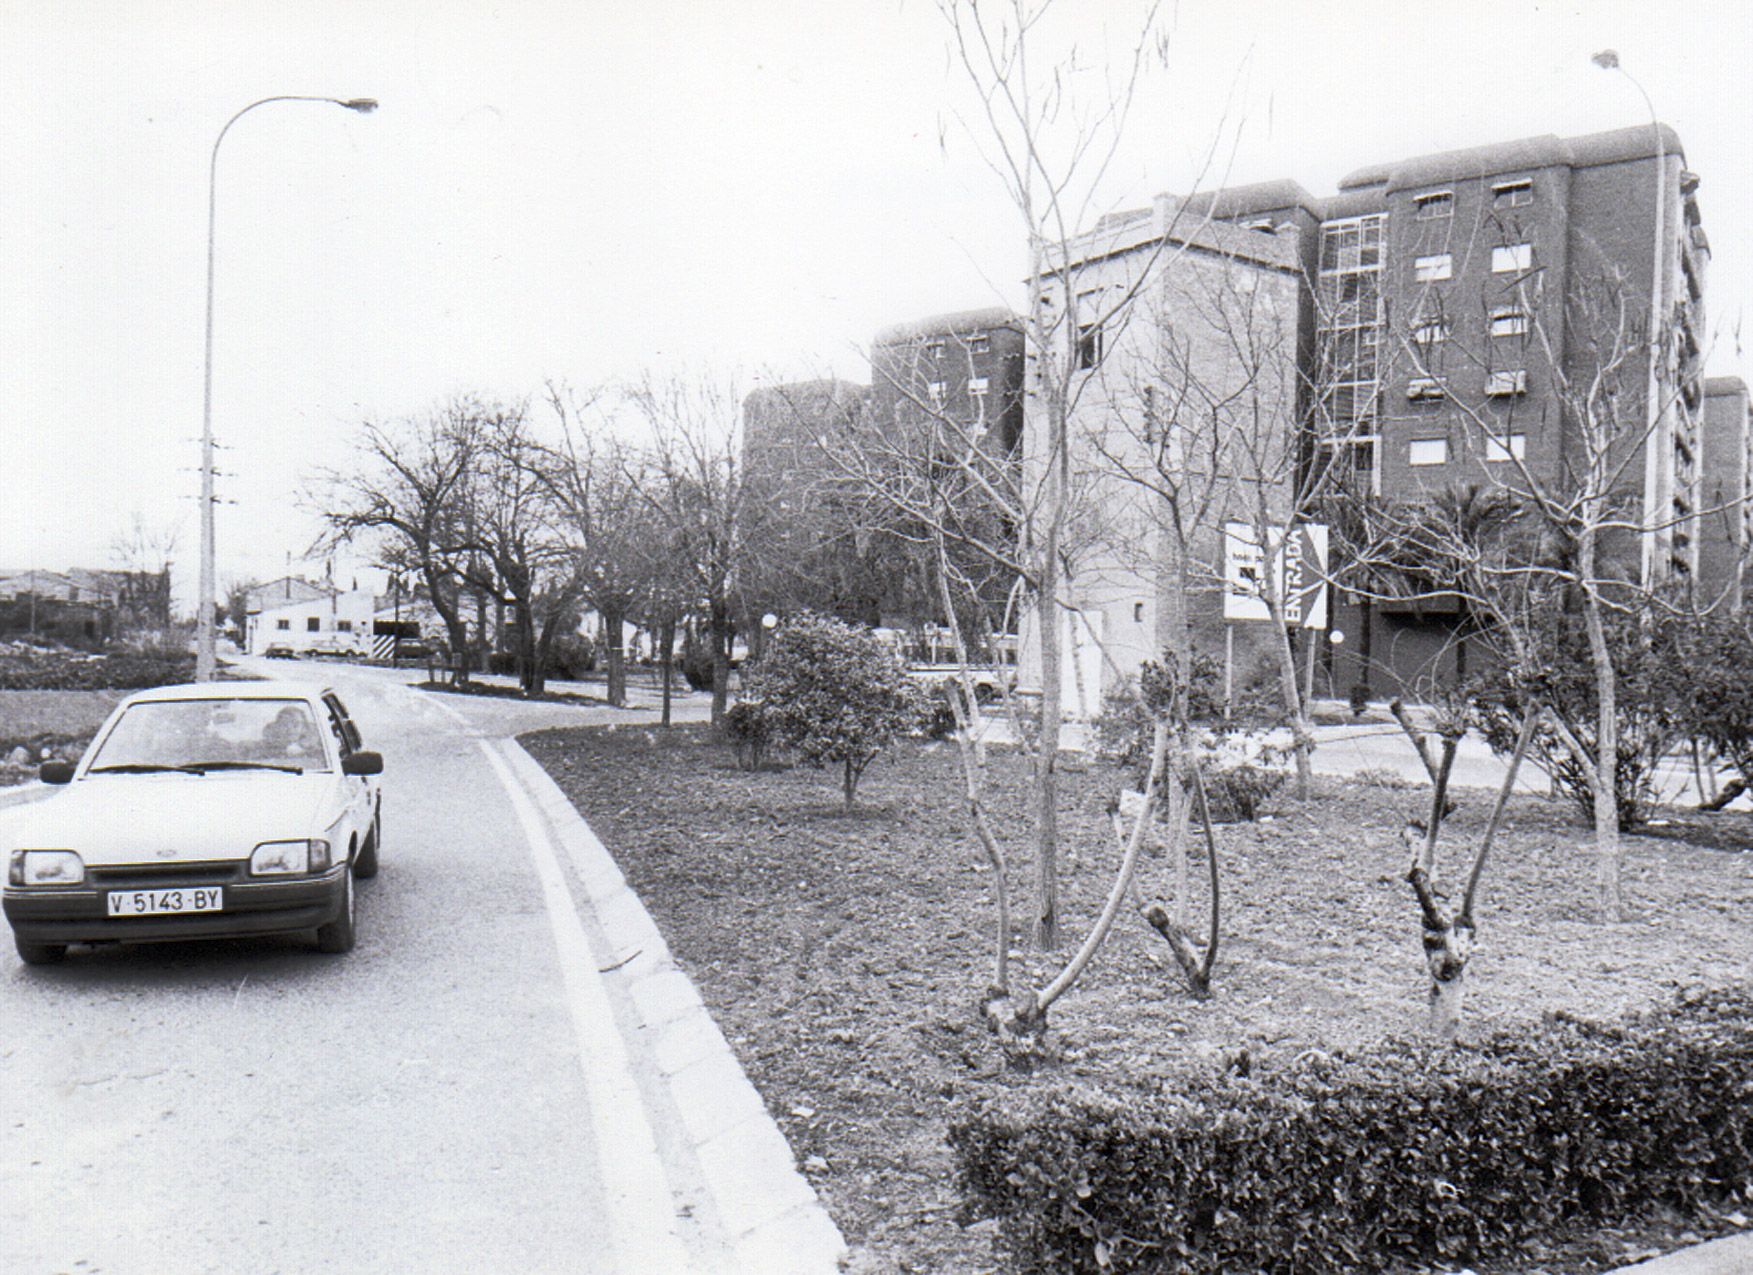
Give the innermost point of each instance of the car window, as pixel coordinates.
(214, 731)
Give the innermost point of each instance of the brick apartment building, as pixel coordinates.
(966, 367)
(1726, 462)
(1445, 293)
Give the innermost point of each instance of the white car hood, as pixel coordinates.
(169, 818)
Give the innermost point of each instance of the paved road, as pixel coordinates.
(463, 1092)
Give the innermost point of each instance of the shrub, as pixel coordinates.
(697, 665)
(1705, 674)
(1415, 1153)
(747, 727)
(1561, 675)
(570, 655)
(1237, 793)
(836, 693)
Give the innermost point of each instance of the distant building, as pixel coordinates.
(966, 366)
(333, 622)
(1726, 502)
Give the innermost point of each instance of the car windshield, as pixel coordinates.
(207, 734)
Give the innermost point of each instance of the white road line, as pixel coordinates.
(641, 1205)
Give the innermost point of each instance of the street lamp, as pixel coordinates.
(205, 661)
(1608, 60)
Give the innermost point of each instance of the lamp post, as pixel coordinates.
(205, 660)
(1608, 60)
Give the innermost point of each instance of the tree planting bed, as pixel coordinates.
(844, 953)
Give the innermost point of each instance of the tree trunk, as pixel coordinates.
(721, 640)
(1047, 762)
(1302, 738)
(614, 624)
(667, 635)
(1609, 851)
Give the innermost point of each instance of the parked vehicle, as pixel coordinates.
(199, 811)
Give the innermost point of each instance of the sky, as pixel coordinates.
(575, 192)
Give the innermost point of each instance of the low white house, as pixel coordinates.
(337, 623)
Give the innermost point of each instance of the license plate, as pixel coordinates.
(157, 902)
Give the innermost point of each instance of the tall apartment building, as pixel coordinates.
(1451, 296)
(1726, 524)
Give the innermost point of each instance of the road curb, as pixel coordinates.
(776, 1221)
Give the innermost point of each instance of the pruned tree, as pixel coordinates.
(1448, 936)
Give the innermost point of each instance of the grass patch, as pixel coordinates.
(843, 953)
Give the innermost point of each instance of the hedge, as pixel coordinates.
(1414, 1152)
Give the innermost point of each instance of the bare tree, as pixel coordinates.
(408, 493)
(516, 543)
(694, 484)
(592, 479)
(143, 553)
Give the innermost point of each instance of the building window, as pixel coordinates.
(1512, 447)
(1511, 381)
(1428, 451)
(934, 349)
(344, 626)
(283, 625)
(313, 624)
(1263, 224)
(1439, 203)
(1431, 332)
(1089, 346)
(977, 392)
(935, 391)
(1433, 268)
(1138, 613)
(1515, 258)
(979, 343)
(1509, 322)
(1424, 387)
(1512, 194)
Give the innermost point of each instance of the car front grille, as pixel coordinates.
(160, 876)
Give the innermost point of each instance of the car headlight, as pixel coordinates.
(45, 867)
(286, 858)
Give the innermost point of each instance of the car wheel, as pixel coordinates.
(365, 862)
(40, 953)
(337, 936)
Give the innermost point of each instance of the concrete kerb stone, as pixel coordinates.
(778, 1224)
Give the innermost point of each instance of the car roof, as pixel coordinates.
(230, 690)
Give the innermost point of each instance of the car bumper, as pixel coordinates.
(250, 907)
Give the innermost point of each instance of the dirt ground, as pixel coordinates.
(844, 952)
(61, 722)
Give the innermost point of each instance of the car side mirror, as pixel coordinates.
(362, 763)
(56, 772)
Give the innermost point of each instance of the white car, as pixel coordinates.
(208, 810)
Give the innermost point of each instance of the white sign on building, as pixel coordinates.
(1301, 561)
